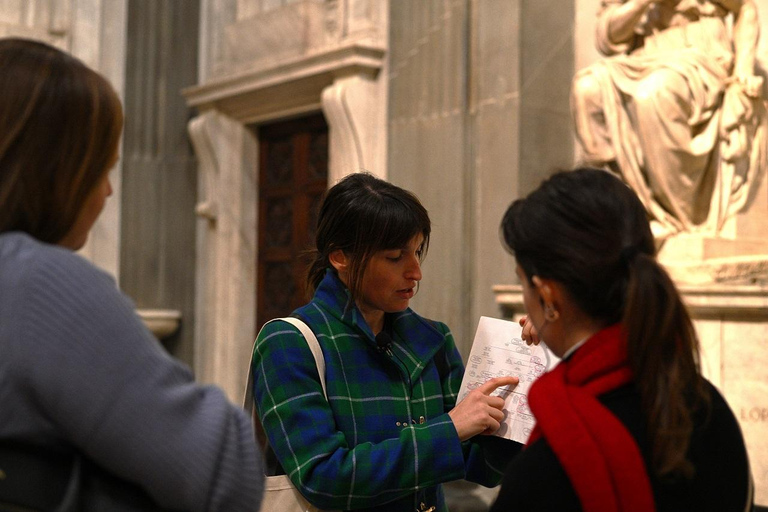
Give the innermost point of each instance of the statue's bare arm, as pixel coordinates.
(738, 106)
(746, 31)
(621, 25)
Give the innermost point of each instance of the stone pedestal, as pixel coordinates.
(737, 254)
(732, 324)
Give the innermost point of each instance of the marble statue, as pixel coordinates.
(676, 107)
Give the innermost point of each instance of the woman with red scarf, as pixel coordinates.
(626, 422)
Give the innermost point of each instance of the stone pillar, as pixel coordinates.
(157, 264)
(226, 251)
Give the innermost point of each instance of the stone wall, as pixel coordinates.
(478, 114)
(157, 256)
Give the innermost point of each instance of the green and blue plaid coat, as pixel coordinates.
(383, 440)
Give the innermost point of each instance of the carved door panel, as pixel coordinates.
(293, 175)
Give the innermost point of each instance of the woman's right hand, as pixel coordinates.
(480, 413)
(530, 334)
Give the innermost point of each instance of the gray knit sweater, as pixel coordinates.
(78, 368)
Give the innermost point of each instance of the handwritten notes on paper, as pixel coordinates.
(499, 351)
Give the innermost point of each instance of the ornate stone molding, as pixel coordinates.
(226, 250)
(288, 88)
(208, 167)
(723, 300)
(732, 271)
(346, 148)
(703, 301)
(509, 297)
(162, 322)
(355, 107)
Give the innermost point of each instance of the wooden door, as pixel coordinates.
(293, 175)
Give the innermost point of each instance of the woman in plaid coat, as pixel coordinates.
(390, 431)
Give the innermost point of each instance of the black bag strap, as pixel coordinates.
(37, 478)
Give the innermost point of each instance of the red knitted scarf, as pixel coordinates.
(597, 452)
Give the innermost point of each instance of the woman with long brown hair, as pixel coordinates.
(95, 414)
(626, 422)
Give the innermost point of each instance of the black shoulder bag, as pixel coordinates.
(45, 479)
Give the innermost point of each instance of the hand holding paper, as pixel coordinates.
(530, 335)
(480, 412)
(499, 351)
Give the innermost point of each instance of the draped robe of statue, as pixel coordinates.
(666, 111)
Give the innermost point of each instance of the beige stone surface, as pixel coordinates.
(735, 359)
(161, 322)
(709, 331)
(226, 251)
(745, 385)
(738, 254)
